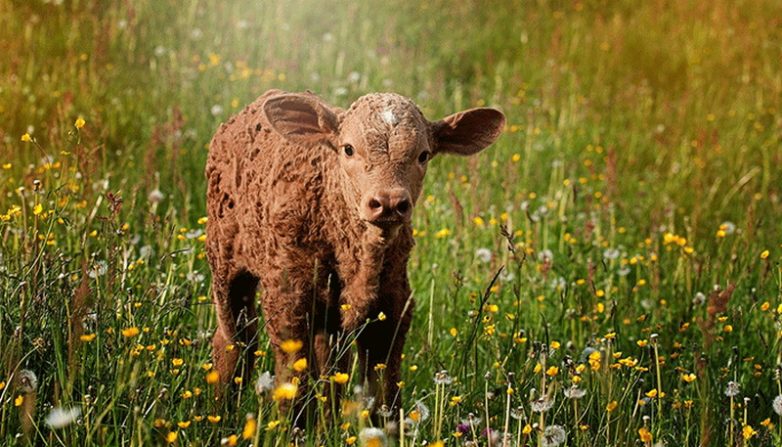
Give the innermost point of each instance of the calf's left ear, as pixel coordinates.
(467, 132)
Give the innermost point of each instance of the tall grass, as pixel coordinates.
(622, 237)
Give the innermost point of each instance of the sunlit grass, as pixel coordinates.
(607, 274)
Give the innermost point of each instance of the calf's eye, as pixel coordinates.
(348, 150)
(424, 157)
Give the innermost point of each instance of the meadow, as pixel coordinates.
(607, 274)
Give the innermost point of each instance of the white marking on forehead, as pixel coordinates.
(389, 117)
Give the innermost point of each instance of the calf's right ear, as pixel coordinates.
(302, 118)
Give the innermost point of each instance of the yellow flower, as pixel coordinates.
(340, 378)
(230, 441)
(689, 378)
(611, 406)
(212, 377)
(249, 428)
(291, 346)
(27, 138)
(183, 424)
(37, 209)
(177, 362)
(214, 419)
(171, 437)
(763, 255)
(272, 424)
(555, 345)
(2, 384)
(527, 429)
(130, 332)
(381, 316)
(445, 232)
(79, 123)
(19, 401)
(351, 440)
(552, 371)
(642, 343)
(748, 432)
(645, 435)
(87, 337)
(285, 391)
(300, 364)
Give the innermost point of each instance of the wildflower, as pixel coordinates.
(291, 346)
(574, 392)
(445, 232)
(87, 337)
(340, 378)
(689, 378)
(177, 362)
(171, 437)
(777, 405)
(285, 391)
(732, 389)
(264, 383)
(542, 404)
(553, 435)
(212, 377)
(610, 254)
(644, 435)
(552, 371)
(483, 254)
(250, 426)
(79, 123)
(546, 256)
(130, 332)
(748, 432)
(27, 381)
(214, 418)
(26, 138)
(764, 255)
(19, 400)
(372, 437)
(381, 316)
(300, 364)
(442, 378)
(61, 417)
(183, 424)
(230, 441)
(155, 196)
(420, 413)
(611, 406)
(527, 429)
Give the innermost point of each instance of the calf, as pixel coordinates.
(313, 203)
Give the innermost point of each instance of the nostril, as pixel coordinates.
(374, 204)
(403, 206)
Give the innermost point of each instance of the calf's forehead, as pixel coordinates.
(386, 118)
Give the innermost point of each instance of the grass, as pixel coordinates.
(622, 236)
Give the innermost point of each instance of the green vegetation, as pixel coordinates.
(638, 185)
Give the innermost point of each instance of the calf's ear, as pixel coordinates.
(302, 118)
(467, 132)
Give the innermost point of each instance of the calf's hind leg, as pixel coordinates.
(237, 328)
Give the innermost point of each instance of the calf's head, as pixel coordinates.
(384, 145)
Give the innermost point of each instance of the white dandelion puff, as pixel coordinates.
(732, 389)
(777, 405)
(61, 417)
(483, 254)
(554, 435)
(264, 383)
(372, 436)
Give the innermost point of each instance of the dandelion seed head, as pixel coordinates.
(554, 435)
(61, 417)
(27, 381)
(732, 389)
(777, 405)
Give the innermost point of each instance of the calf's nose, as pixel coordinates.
(389, 204)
